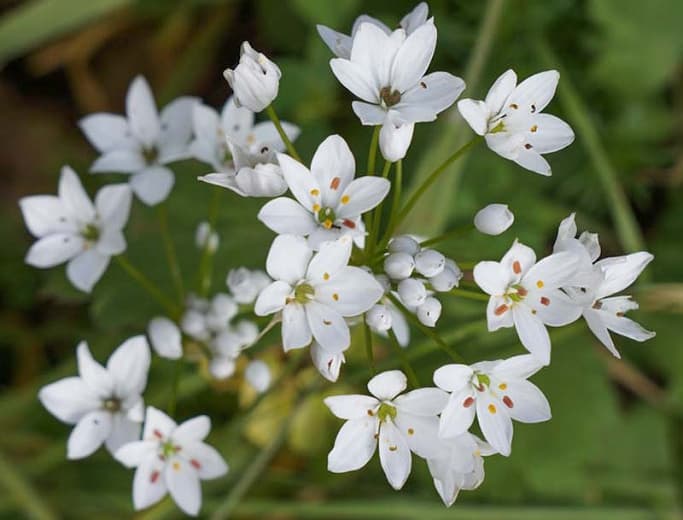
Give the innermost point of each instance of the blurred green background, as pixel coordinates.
(614, 449)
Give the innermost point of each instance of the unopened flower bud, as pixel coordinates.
(493, 219)
(429, 262)
(429, 312)
(245, 284)
(379, 318)
(258, 375)
(446, 279)
(394, 139)
(206, 238)
(223, 308)
(165, 338)
(247, 332)
(412, 292)
(254, 81)
(193, 324)
(399, 265)
(404, 244)
(384, 281)
(222, 367)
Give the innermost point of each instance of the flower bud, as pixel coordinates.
(429, 312)
(412, 292)
(384, 281)
(404, 244)
(327, 363)
(394, 139)
(223, 308)
(592, 244)
(222, 367)
(446, 279)
(245, 285)
(205, 238)
(399, 265)
(493, 219)
(247, 332)
(227, 344)
(193, 324)
(378, 318)
(258, 375)
(165, 338)
(429, 262)
(254, 81)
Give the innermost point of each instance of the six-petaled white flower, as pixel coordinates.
(400, 424)
(143, 142)
(510, 118)
(255, 81)
(526, 294)
(496, 392)
(70, 228)
(105, 403)
(329, 201)
(173, 459)
(315, 292)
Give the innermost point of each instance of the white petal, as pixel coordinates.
(183, 485)
(354, 446)
(374, 50)
(351, 406)
(68, 399)
(106, 131)
(122, 160)
(328, 363)
(532, 333)
(288, 258)
(157, 421)
(123, 431)
(192, 430)
(475, 113)
(54, 249)
(93, 374)
(458, 414)
(355, 78)
(369, 114)
(625, 327)
(495, 423)
(517, 367)
(395, 138)
(149, 484)
(176, 129)
(362, 195)
(211, 463)
(452, 378)
(129, 365)
(285, 215)
(534, 93)
(85, 270)
(491, 277)
(88, 434)
(529, 405)
(387, 385)
(620, 272)
(44, 214)
(332, 257)
(300, 181)
(133, 454)
(236, 122)
(413, 57)
(518, 260)
(421, 434)
(152, 185)
(437, 91)
(141, 110)
(165, 338)
(73, 196)
(423, 401)
(394, 455)
(352, 291)
(224, 180)
(501, 90)
(258, 375)
(598, 328)
(554, 308)
(333, 167)
(296, 333)
(111, 242)
(272, 298)
(415, 18)
(338, 43)
(113, 205)
(266, 132)
(550, 135)
(533, 161)
(556, 270)
(328, 327)
(264, 180)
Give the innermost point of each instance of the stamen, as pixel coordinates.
(516, 267)
(534, 128)
(522, 291)
(514, 106)
(345, 199)
(176, 466)
(545, 301)
(468, 402)
(501, 309)
(327, 224)
(492, 409)
(503, 386)
(195, 463)
(393, 448)
(411, 431)
(326, 276)
(327, 322)
(423, 84)
(316, 208)
(315, 192)
(508, 402)
(533, 108)
(154, 477)
(349, 223)
(540, 284)
(335, 183)
(335, 297)
(528, 146)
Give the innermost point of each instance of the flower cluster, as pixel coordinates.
(335, 267)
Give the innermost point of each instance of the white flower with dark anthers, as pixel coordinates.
(387, 72)
(173, 459)
(105, 404)
(602, 311)
(70, 228)
(241, 152)
(328, 363)
(494, 219)
(496, 392)
(340, 44)
(165, 337)
(460, 466)
(329, 201)
(315, 293)
(400, 424)
(143, 142)
(245, 284)
(255, 81)
(526, 294)
(511, 120)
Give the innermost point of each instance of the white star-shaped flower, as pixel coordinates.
(315, 293)
(329, 201)
(105, 403)
(173, 459)
(70, 228)
(400, 424)
(496, 392)
(510, 118)
(142, 142)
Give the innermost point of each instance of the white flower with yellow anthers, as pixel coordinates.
(329, 201)
(173, 459)
(315, 293)
(526, 294)
(400, 424)
(496, 392)
(510, 119)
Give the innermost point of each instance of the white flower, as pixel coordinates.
(329, 201)
(497, 392)
(255, 80)
(206, 238)
(71, 229)
(245, 284)
(165, 337)
(258, 375)
(142, 143)
(399, 424)
(105, 404)
(327, 362)
(494, 219)
(460, 466)
(315, 293)
(387, 72)
(340, 44)
(171, 459)
(242, 153)
(511, 120)
(526, 294)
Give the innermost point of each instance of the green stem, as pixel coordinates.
(173, 398)
(397, 186)
(149, 286)
(469, 294)
(206, 262)
(405, 362)
(372, 152)
(377, 216)
(21, 493)
(368, 348)
(451, 233)
(171, 256)
(283, 135)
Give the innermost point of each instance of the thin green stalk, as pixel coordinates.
(451, 233)
(397, 187)
(148, 286)
(368, 348)
(405, 362)
(22, 494)
(469, 294)
(377, 216)
(283, 135)
(372, 152)
(173, 398)
(206, 262)
(171, 256)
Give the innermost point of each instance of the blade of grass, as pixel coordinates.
(23, 495)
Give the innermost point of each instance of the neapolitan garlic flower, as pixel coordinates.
(315, 292)
(400, 424)
(70, 228)
(173, 459)
(511, 120)
(329, 201)
(142, 143)
(526, 294)
(165, 337)
(496, 392)
(255, 80)
(105, 404)
(241, 152)
(493, 219)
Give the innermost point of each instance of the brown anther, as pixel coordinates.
(500, 310)
(334, 184)
(522, 291)
(528, 146)
(393, 448)
(411, 431)
(545, 301)
(514, 106)
(327, 322)
(390, 97)
(195, 463)
(516, 267)
(468, 402)
(154, 477)
(508, 402)
(533, 108)
(534, 128)
(370, 413)
(423, 84)
(349, 223)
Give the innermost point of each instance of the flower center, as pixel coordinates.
(91, 233)
(303, 293)
(168, 449)
(517, 293)
(484, 380)
(389, 97)
(112, 405)
(386, 411)
(326, 217)
(500, 127)
(150, 154)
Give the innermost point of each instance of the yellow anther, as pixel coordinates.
(326, 276)
(345, 199)
(316, 208)
(540, 284)
(502, 386)
(492, 408)
(327, 224)
(315, 192)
